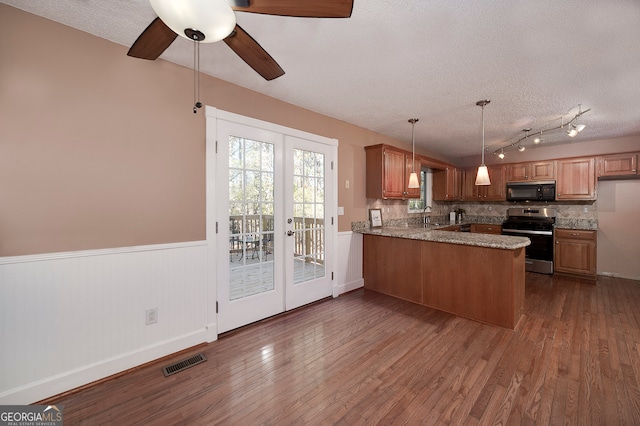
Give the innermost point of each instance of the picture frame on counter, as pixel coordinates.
(375, 218)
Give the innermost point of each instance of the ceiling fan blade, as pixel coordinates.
(305, 9)
(253, 54)
(153, 41)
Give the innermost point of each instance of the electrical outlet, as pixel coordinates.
(151, 316)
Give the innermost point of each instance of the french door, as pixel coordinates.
(275, 192)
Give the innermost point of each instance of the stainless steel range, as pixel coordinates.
(537, 225)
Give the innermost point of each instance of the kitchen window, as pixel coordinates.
(417, 205)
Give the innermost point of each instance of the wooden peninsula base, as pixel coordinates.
(480, 283)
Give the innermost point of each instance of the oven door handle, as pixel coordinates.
(524, 231)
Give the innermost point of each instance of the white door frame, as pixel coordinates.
(212, 115)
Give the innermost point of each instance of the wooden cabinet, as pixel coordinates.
(388, 171)
(539, 170)
(446, 184)
(480, 283)
(618, 165)
(497, 191)
(485, 228)
(468, 189)
(494, 192)
(575, 252)
(576, 179)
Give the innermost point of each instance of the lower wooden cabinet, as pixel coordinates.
(575, 253)
(481, 283)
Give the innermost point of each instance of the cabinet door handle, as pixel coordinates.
(573, 234)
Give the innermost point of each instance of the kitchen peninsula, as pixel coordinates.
(476, 276)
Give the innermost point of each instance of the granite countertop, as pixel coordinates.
(583, 224)
(432, 233)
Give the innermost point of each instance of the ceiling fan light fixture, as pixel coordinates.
(214, 19)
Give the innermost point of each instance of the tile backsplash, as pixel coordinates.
(397, 209)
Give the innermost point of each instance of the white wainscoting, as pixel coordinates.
(67, 319)
(349, 263)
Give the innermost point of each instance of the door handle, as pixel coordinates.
(290, 233)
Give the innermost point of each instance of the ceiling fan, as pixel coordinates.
(208, 21)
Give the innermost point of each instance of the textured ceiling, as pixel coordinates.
(432, 59)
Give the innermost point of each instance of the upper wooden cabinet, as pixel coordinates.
(576, 179)
(497, 191)
(539, 170)
(388, 171)
(494, 192)
(446, 184)
(468, 190)
(618, 165)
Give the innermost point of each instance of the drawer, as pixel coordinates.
(575, 234)
(485, 228)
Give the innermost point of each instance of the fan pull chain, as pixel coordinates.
(196, 75)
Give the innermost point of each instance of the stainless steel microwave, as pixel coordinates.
(531, 191)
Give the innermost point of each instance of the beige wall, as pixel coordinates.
(99, 150)
(619, 228)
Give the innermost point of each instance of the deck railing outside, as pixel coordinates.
(258, 229)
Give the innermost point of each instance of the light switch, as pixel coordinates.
(340, 211)
(346, 183)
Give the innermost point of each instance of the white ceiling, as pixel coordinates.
(430, 59)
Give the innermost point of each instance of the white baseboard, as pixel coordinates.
(347, 287)
(73, 379)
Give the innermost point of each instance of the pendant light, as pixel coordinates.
(482, 178)
(413, 177)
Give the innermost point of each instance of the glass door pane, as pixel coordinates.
(251, 217)
(308, 215)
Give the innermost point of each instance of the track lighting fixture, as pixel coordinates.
(538, 139)
(572, 130)
(501, 155)
(575, 129)
(413, 177)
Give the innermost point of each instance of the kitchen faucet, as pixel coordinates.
(426, 220)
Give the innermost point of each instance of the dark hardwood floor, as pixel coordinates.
(366, 358)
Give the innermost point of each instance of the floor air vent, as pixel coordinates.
(183, 365)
